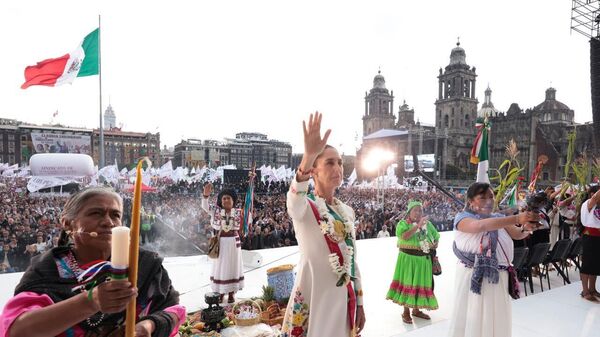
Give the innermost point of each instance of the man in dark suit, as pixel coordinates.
(277, 234)
(266, 238)
(256, 240)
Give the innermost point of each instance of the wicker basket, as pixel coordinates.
(273, 315)
(247, 321)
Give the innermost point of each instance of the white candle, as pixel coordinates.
(119, 250)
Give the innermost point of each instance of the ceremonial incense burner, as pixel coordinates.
(536, 203)
(214, 314)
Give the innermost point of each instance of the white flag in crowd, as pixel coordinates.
(37, 183)
(202, 172)
(110, 173)
(8, 173)
(352, 177)
(166, 170)
(24, 172)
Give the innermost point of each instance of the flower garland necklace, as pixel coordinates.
(423, 238)
(338, 231)
(226, 222)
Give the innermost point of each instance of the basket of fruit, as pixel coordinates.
(246, 313)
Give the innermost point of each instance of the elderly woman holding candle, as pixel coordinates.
(227, 275)
(54, 298)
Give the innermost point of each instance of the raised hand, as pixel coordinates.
(208, 188)
(313, 143)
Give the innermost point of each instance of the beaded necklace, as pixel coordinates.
(72, 270)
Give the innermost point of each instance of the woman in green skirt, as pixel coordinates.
(412, 286)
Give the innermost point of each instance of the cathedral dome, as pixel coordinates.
(379, 81)
(487, 108)
(458, 55)
(551, 103)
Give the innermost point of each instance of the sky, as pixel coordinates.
(210, 69)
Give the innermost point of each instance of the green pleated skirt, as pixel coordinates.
(412, 285)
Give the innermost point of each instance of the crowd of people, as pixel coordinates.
(272, 227)
(30, 224)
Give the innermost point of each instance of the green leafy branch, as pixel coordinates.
(581, 168)
(570, 152)
(596, 168)
(507, 175)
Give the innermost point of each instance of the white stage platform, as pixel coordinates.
(559, 312)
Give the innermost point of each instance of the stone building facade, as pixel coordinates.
(126, 148)
(242, 151)
(382, 129)
(19, 141)
(542, 130)
(10, 141)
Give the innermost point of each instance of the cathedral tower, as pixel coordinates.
(379, 107)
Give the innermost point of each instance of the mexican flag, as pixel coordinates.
(512, 197)
(480, 150)
(83, 61)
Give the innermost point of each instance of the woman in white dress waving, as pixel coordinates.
(227, 274)
(327, 295)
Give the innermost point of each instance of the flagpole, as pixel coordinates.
(101, 130)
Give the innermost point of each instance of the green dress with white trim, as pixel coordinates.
(412, 285)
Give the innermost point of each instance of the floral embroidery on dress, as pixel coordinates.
(227, 222)
(297, 324)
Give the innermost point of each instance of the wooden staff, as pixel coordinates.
(134, 249)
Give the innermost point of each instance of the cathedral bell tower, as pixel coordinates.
(379, 107)
(456, 112)
(456, 106)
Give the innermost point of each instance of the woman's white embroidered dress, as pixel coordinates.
(227, 273)
(317, 307)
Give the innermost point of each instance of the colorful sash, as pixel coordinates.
(334, 247)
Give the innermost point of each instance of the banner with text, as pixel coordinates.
(60, 143)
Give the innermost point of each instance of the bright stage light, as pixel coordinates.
(376, 158)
